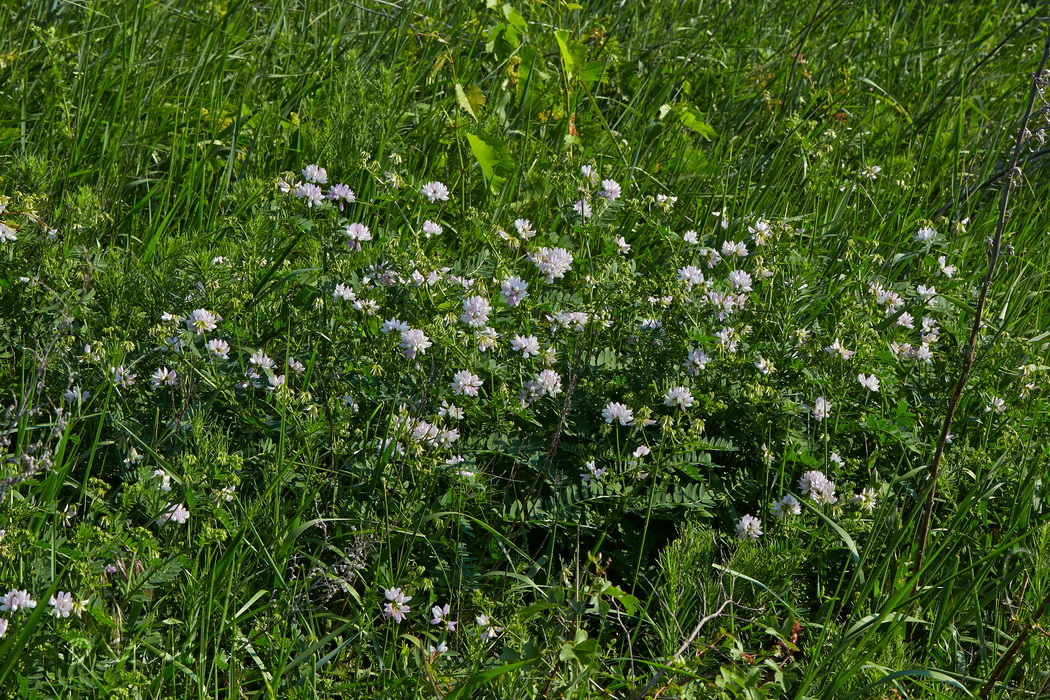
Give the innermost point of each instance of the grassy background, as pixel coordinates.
(145, 132)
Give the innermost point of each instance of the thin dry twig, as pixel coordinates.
(685, 645)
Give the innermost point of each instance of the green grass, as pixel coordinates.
(151, 136)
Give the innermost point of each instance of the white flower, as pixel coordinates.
(666, 201)
(397, 608)
(610, 190)
(529, 346)
(451, 411)
(818, 487)
(261, 360)
(943, 268)
(740, 280)
(276, 381)
(866, 499)
(651, 324)
(7, 233)
(343, 292)
(165, 479)
(871, 383)
(996, 404)
(122, 376)
(392, 324)
(547, 382)
(315, 173)
(356, 234)
(310, 192)
(925, 234)
(617, 412)
(593, 473)
(441, 648)
(487, 338)
(341, 193)
(414, 341)
(553, 262)
(176, 512)
(731, 248)
(727, 339)
(906, 320)
(690, 238)
(836, 348)
(749, 527)
(821, 408)
(369, 306)
(219, 349)
(514, 289)
(759, 231)
(435, 191)
(787, 506)
(202, 321)
(583, 208)
(75, 394)
(695, 361)
(465, 383)
(871, 171)
(589, 172)
(622, 246)
(691, 275)
(524, 228)
(575, 320)
(16, 600)
(488, 631)
(476, 310)
(765, 366)
(432, 228)
(61, 604)
(164, 376)
(679, 396)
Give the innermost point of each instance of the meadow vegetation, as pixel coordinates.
(524, 349)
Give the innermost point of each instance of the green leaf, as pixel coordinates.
(592, 72)
(471, 99)
(573, 53)
(695, 122)
(630, 602)
(516, 20)
(494, 158)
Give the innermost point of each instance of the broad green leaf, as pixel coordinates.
(471, 100)
(695, 121)
(494, 159)
(516, 20)
(592, 72)
(573, 53)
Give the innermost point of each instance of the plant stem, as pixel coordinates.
(964, 374)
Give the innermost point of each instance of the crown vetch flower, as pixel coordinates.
(513, 290)
(465, 383)
(679, 396)
(435, 192)
(476, 310)
(61, 604)
(749, 527)
(414, 341)
(614, 411)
